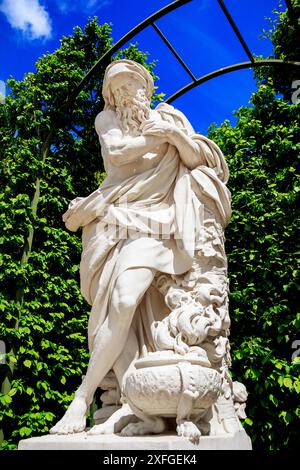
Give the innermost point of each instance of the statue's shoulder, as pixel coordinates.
(166, 107)
(105, 119)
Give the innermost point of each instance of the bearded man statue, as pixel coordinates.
(154, 270)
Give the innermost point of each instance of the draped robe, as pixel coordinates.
(151, 219)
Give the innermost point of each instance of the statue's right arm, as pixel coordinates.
(120, 148)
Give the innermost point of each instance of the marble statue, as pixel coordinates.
(154, 271)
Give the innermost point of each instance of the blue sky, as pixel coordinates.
(199, 31)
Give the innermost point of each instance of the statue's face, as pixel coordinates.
(126, 85)
(132, 106)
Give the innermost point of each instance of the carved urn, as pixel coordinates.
(158, 384)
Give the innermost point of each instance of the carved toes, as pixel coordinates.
(188, 430)
(155, 426)
(101, 429)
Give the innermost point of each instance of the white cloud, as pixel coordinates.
(28, 16)
(87, 6)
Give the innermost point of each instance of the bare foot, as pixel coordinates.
(117, 421)
(231, 425)
(74, 419)
(153, 426)
(103, 428)
(189, 430)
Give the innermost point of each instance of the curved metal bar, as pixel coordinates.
(137, 29)
(173, 50)
(235, 29)
(230, 68)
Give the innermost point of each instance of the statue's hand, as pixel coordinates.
(159, 128)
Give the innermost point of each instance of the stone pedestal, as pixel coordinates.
(81, 441)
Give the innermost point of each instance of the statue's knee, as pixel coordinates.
(124, 305)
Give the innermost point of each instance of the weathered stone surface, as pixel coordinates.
(82, 441)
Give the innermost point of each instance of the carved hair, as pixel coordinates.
(131, 110)
(130, 68)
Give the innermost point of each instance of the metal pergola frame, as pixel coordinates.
(151, 21)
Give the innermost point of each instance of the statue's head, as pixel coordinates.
(127, 89)
(122, 74)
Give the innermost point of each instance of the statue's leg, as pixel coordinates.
(116, 422)
(108, 345)
(121, 417)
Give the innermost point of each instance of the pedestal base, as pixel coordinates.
(81, 441)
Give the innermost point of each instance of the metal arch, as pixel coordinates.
(150, 21)
(230, 68)
(173, 50)
(105, 59)
(235, 29)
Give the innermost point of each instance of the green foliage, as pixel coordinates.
(43, 315)
(285, 35)
(262, 151)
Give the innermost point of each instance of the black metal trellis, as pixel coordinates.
(228, 69)
(151, 21)
(106, 58)
(236, 30)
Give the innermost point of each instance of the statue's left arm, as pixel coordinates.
(190, 152)
(195, 150)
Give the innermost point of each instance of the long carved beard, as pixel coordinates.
(132, 111)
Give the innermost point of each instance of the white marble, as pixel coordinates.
(154, 271)
(82, 441)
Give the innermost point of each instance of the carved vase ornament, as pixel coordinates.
(154, 271)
